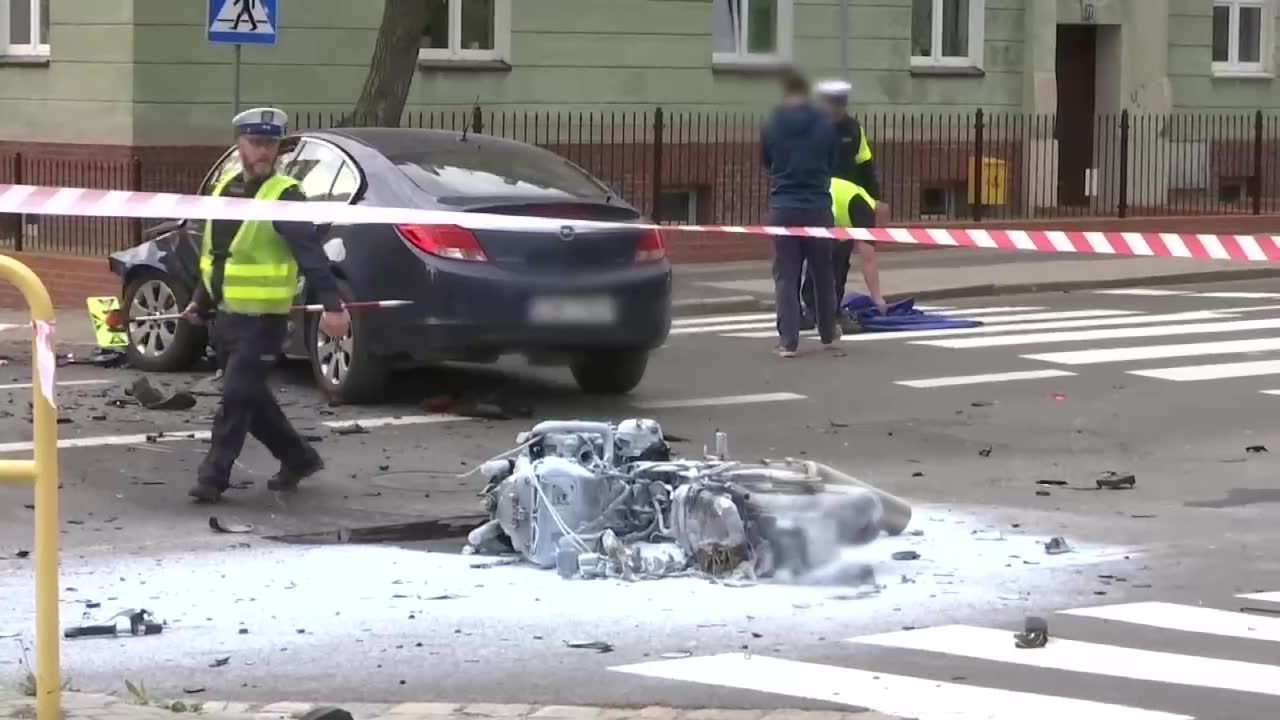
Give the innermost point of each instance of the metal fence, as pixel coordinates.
(705, 167)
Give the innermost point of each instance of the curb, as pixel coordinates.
(90, 706)
(746, 303)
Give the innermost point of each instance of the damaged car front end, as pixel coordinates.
(600, 500)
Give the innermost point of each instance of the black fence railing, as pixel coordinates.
(705, 167)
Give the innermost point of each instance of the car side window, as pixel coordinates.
(315, 167)
(346, 185)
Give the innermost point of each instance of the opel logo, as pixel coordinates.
(567, 233)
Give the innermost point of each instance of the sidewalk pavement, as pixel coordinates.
(925, 275)
(83, 706)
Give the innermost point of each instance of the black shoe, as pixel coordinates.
(289, 478)
(206, 493)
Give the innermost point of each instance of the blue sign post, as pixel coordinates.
(239, 22)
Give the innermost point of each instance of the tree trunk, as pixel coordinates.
(394, 63)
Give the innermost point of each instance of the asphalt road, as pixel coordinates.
(415, 621)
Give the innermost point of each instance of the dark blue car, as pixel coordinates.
(597, 301)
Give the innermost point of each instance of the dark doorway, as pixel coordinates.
(1076, 70)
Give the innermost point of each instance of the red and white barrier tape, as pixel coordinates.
(37, 200)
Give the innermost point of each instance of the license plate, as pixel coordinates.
(573, 311)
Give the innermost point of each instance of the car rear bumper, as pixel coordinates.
(464, 309)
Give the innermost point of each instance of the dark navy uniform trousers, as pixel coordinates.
(247, 347)
(790, 255)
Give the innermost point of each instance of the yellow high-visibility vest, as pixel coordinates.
(842, 192)
(261, 274)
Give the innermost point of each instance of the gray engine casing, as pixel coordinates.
(569, 491)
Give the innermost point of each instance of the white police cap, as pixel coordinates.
(834, 88)
(268, 122)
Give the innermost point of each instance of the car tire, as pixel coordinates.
(610, 372)
(360, 375)
(167, 345)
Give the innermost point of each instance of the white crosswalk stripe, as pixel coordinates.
(1112, 336)
(956, 651)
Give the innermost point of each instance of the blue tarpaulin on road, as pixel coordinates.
(901, 315)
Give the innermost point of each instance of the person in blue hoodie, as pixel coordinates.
(800, 150)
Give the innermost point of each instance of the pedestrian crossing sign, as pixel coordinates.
(243, 21)
(102, 332)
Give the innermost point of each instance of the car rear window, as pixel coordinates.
(462, 169)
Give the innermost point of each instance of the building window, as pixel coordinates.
(466, 30)
(1240, 33)
(25, 25)
(751, 32)
(947, 33)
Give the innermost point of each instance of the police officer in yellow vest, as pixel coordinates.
(856, 165)
(249, 274)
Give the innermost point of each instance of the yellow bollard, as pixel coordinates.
(43, 473)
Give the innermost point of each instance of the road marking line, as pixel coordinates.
(171, 436)
(1141, 291)
(978, 379)
(1131, 332)
(1187, 618)
(719, 319)
(108, 440)
(994, 326)
(722, 328)
(1242, 295)
(898, 695)
(711, 401)
(1154, 352)
(1263, 596)
(991, 310)
(1085, 657)
(60, 383)
(1217, 371)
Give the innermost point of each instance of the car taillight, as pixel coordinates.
(446, 241)
(651, 247)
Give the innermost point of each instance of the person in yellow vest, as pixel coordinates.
(249, 275)
(853, 206)
(856, 164)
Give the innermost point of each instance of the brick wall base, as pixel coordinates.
(72, 278)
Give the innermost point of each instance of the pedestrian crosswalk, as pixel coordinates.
(1202, 336)
(961, 650)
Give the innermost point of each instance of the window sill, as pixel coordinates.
(437, 64)
(927, 69)
(749, 67)
(25, 60)
(1243, 75)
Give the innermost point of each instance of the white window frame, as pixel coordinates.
(1233, 66)
(456, 53)
(785, 33)
(33, 49)
(977, 40)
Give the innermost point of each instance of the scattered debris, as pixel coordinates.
(1043, 493)
(193, 690)
(22, 554)
(152, 399)
(220, 662)
(1035, 634)
(1059, 396)
(232, 528)
(906, 555)
(986, 451)
(836, 424)
(981, 403)
(599, 646)
(352, 429)
(1057, 546)
(1256, 449)
(1117, 481)
(1141, 517)
(1053, 483)
(917, 474)
(141, 622)
(682, 654)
